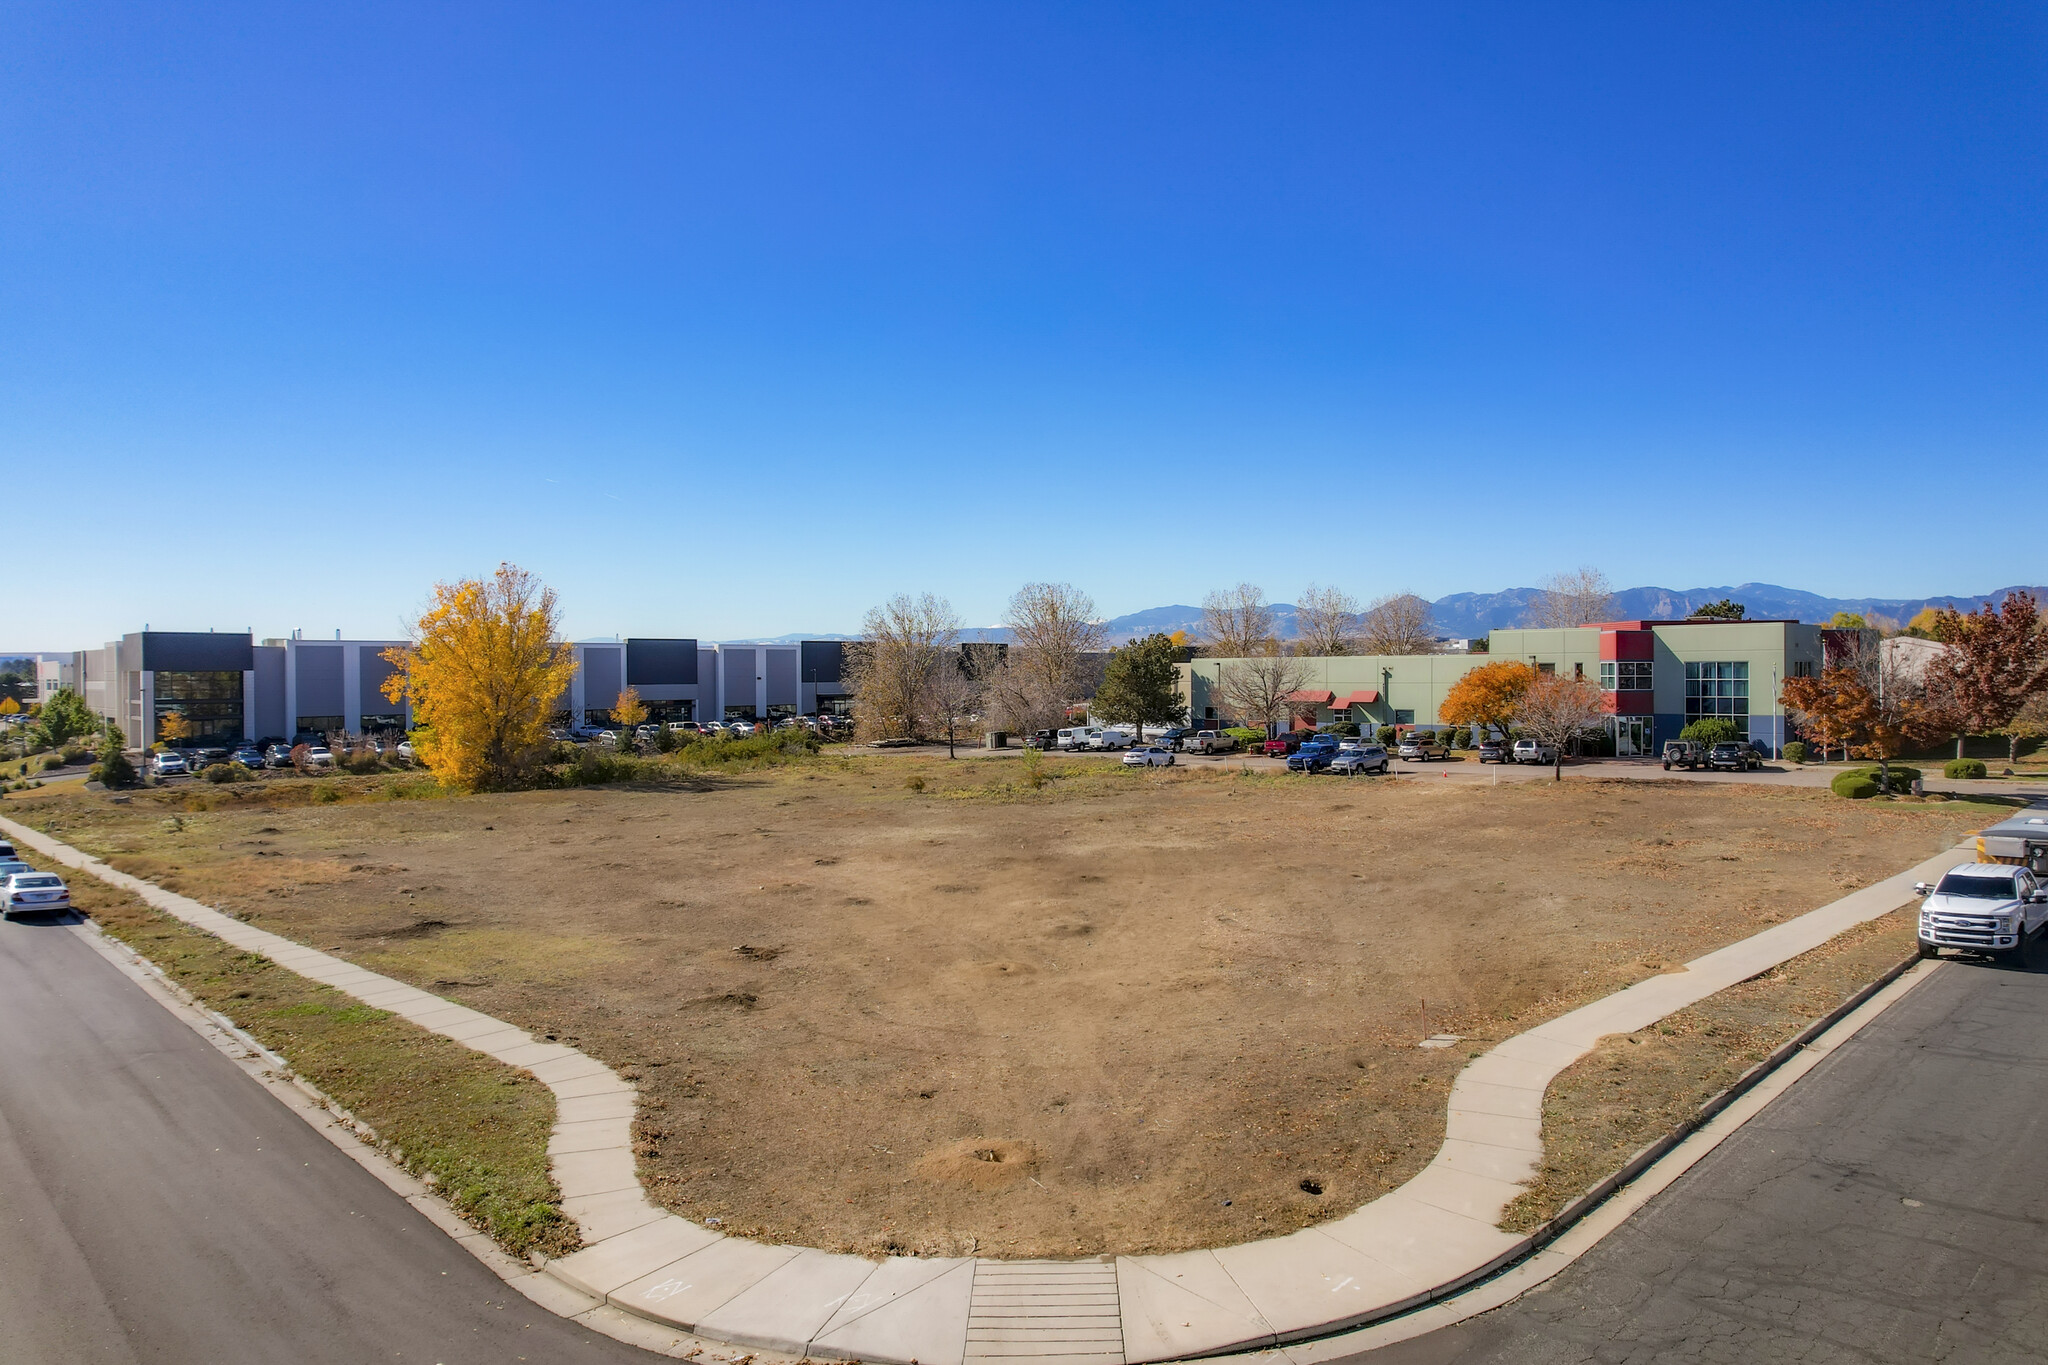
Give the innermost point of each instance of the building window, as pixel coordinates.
(1629, 675)
(1802, 668)
(1718, 689)
(318, 726)
(1546, 668)
(390, 720)
(1404, 718)
(739, 713)
(211, 704)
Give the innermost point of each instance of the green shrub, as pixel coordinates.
(1711, 730)
(1795, 752)
(1964, 767)
(1386, 734)
(114, 770)
(1344, 727)
(1244, 735)
(1854, 785)
(54, 761)
(224, 772)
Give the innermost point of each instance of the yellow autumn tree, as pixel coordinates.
(629, 713)
(9, 707)
(483, 672)
(1487, 696)
(172, 726)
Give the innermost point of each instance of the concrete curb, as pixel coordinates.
(1428, 1240)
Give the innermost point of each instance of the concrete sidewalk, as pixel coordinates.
(1427, 1239)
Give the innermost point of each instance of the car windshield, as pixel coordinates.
(1979, 888)
(36, 883)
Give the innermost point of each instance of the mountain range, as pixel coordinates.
(1463, 615)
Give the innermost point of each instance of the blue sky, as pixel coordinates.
(735, 319)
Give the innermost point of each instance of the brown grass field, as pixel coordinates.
(1130, 1011)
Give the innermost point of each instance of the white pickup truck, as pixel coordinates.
(1091, 737)
(1992, 908)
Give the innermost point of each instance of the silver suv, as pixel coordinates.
(1419, 746)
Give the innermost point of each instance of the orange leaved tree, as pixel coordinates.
(1556, 710)
(484, 670)
(1486, 697)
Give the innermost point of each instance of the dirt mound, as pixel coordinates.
(979, 1163)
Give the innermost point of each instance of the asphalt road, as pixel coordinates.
(1889, 1207)
(157, 1205)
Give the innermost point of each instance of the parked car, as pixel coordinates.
(6, 849)
(1990, 908)
(405, 750)
(319, 756)
(1171, 738)
(1366, 758)
(1210, 742)
(1419, 746)
(27, 892)
(1684, 753)
(1313, 756)
(278, 756)
(1076, 737)
(1279, 746)
(247, 757)
(1734, 755)
(1494, 751)
(1042, 739)
(1148, 756)
(10, 866)
(196, 759)
(1109, 739)
(1534, 751)
(168, 764)
(686, 727)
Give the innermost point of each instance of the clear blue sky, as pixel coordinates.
(734, 319)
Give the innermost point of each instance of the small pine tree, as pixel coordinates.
(113, 769)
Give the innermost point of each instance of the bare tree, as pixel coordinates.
(955, 691)
(892, 666)
(1555, 711)
(1053, 634)
(1578, 598)
(1259, 688)
(1399, 624)
(1237, 623)
(1326, 622)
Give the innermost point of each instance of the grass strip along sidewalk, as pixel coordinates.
(1636, 1087)
(472, 1128)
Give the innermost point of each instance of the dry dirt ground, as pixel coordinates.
(1132, 1010)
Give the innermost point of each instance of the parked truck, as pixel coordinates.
(1209, 742)
(2021, 841)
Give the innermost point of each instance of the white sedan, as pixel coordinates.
(1149, 756)
(27, 892)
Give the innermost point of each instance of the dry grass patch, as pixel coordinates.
(1634, 1088)
(474, 1129)
(1186, 1000)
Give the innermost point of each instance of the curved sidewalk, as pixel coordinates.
(1429, 1238)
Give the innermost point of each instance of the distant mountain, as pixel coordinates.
(1464, 615)
(1467, 614)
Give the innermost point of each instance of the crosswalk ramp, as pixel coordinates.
(1047, 1312)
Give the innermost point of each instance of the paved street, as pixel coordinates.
(1890, 1207)
(159, 1206)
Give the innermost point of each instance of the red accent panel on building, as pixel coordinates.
(1628, 644)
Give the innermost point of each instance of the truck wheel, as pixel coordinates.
(1667, 767)
(1927, 950)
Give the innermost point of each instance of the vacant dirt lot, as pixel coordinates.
(1129, 1011)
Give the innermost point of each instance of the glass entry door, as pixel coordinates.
(1632, 736)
